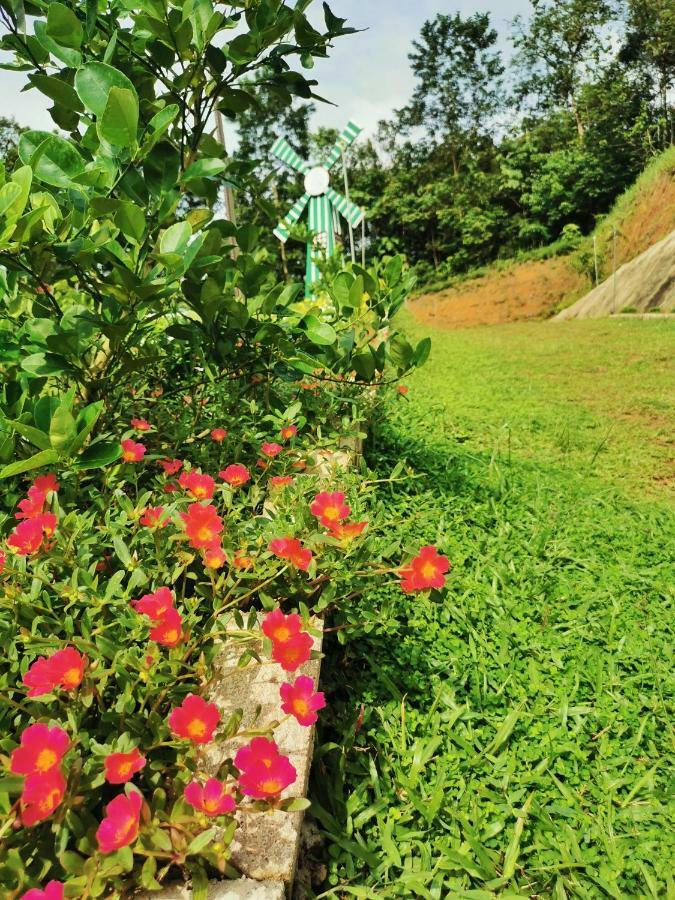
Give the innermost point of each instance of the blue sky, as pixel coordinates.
(367, 74)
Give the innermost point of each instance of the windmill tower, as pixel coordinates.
(325, 204)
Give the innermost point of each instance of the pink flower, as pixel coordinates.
(212, 799)
(41, 749)
(200, 486)
(46, 483)
(195, 719)
(218, 435)
(42, 793)
(53, 891)
(170, 466)
(141, 424)
(121, 767)
(156, 605)
(152, 517)
(168, 631)
(122, 820)
(424, 571)
(235, 475)
(265, 772)
(292, 550)
(279, 481)
(214, 556)
(131, 451)
(33, 505)
(330, 508)
(64, 669)
(300, 700)
(271, 449)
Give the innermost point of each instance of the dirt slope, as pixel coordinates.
(533, 289)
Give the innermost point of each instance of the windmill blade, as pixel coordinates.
(283, 151)
(352, 213)
(348, 136)
(291, 217)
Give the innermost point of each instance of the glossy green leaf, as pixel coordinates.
(320, 333)
(93, 83)
(175, 239)
(43, 458)
(97, 455)
(58, 160)
(119, 123)
(63, 26)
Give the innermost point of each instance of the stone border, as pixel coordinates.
(265, 845)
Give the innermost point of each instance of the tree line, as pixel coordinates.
(498, 151)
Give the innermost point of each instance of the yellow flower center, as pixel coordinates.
(196, 728)
(428, 570)
(71, 678)
(205, 533)
(124, 769)
(331, 512)
(46, 760)
(301, 706)
(271, 786)
(50, 800)
(171, 635)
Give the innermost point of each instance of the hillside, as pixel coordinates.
(535, 288)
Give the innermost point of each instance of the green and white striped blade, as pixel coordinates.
(283, 151)
(352, 213)
(291, 217)
(348, 136)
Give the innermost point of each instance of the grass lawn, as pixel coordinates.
(514, 739)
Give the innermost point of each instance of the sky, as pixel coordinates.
(367, 74)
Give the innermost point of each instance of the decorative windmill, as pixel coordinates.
(325, 204)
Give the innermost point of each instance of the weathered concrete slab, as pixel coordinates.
(265, 844)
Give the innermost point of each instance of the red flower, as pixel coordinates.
(202, 525)
(152, 517)
(53, 891)
(47, 522)
(64, 669)
(131, 451)
(346, 531)
(242, 561)
(156, 605)
(41, 749)
(235, 475)
(41, 795)
(121, 767)
(271, 449)
(33, 505)
(200, 486)
(292, 550)
(170, 487)
(170, 466)
(300, 700)
(330, 508)
(195, 719)
(294, 652)
(402, 389)
(288, 432)
(46, 483)
(279, 627)
(424, 571)
(218, 435)
(168, 631)
(280, 481)
(264, 771)
(214, 556)
(27, 537)
(212, 799)
(120, 826)
(141, 424)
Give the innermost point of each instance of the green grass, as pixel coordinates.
(513, 738)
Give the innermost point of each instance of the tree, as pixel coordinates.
(458, 90)
(563, 41)
(10, 132)
(650, 43)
